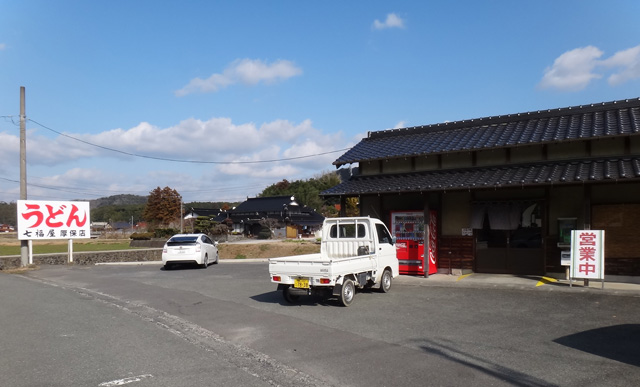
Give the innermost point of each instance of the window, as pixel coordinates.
(383, 234)
(348, 231)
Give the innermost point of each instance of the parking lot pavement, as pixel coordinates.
(516, 281)
(477, 280)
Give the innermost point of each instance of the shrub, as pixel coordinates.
(141, 236)
(165, 232)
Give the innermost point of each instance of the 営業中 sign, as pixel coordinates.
(587, 254)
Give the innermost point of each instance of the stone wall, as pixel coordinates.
(86, 258)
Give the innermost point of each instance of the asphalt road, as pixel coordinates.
(227, 326)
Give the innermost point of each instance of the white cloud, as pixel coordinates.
(575, 69)
(216, 142)
(628, 63)
(2, 46)
(245, 71)
(392, 21)
(99, 172)
(400, 124)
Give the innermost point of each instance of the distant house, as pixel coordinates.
(121, 226)
(292, 218)
(6, 228)
(297, 219)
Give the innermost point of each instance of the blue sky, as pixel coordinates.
(116, 89)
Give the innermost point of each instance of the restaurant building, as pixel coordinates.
(502, 192)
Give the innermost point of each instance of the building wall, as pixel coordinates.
(428, 163)
(456, 212)
(369, 168)
(607, 147)
(370, 206)
(570, 150)
(565, 202)
(635, 145)
(614, 194)
(457, 160)
(396, 165)
(525, 154)
(491, 157)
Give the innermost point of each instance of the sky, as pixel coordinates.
(220, 99)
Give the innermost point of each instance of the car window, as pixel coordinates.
(181, 240)
(208, 240)
(383, 234)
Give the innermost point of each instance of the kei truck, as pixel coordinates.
(355, 253)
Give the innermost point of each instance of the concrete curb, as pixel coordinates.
(248, 260)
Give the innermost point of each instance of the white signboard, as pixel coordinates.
(44, 219)
(587, 254)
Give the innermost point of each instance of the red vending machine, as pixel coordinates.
(408, 227)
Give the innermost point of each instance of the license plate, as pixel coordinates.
(302, 283)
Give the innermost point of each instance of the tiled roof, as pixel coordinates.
(609, 119)
(264, 204)
(534, 174)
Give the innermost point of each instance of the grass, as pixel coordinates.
(63, 248)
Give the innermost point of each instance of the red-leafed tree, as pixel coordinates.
(163, 206)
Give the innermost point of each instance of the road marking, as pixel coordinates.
(546, 280)
(463, 276)
(122, 382)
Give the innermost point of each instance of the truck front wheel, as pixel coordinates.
(290, 298)
(385, 281)
(348, 292)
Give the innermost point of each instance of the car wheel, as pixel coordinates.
(348, 292)
(385, 281)
(205, 263)
(168, 266)
(217, 258)
(290, 298)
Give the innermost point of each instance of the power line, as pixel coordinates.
(186, 161)
(100, 191)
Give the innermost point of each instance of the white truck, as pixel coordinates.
(355, 252)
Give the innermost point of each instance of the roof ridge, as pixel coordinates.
(446, 126)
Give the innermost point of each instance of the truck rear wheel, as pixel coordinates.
(348, 292)
(385, 281)
(290, 298)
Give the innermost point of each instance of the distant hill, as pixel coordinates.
(118, 200)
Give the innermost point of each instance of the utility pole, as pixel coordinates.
(24, 244)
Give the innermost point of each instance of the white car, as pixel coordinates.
(190, 248)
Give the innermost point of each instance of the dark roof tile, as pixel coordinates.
(535, 174)
(618, 118)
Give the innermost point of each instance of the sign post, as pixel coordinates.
(587, 255)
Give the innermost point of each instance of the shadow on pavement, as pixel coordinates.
(617, 342)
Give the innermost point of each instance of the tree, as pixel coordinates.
(352, 208)
(205, 225)
(8, 213)
(307, 192)
(163, 206)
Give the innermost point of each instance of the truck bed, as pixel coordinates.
(319, 266)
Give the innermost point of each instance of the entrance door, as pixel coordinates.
(512, 251)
